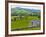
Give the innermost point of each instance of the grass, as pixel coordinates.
(24, 23)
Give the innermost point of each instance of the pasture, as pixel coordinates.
(23, 22)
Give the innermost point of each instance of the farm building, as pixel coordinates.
(35, 23)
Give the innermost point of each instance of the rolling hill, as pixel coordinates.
(24, 11)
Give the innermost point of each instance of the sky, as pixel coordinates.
(28, 7)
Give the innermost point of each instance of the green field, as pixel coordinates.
(24, 23)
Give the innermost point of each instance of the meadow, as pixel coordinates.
(24, 23)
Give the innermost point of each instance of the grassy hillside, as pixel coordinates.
(22, 11)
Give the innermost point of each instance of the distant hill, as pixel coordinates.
(24, 11)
